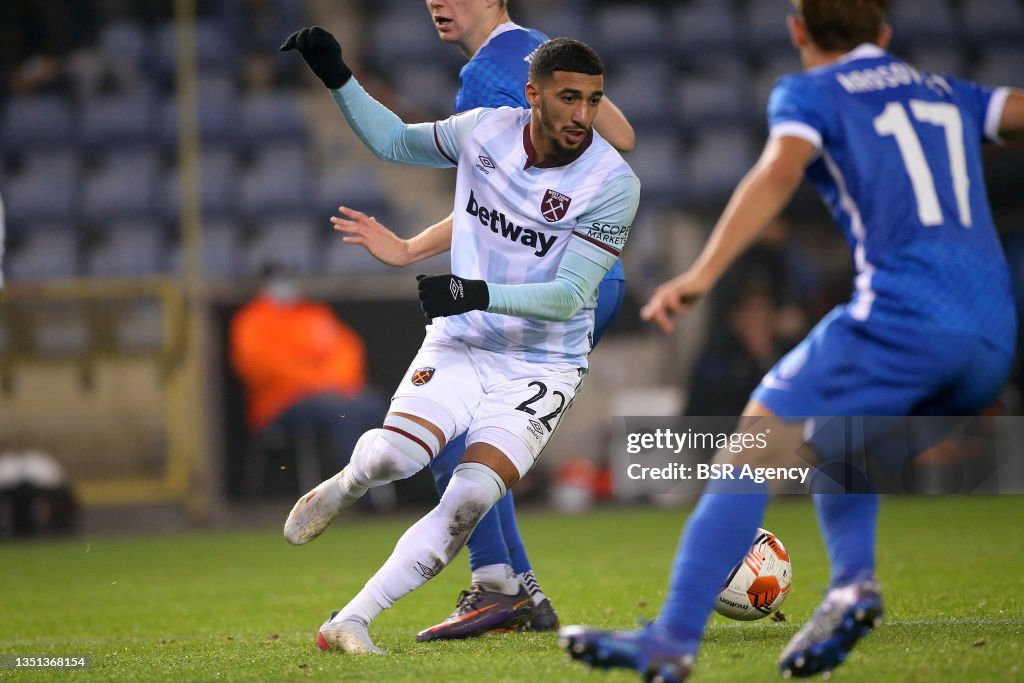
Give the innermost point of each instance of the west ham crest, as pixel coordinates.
(421, 376)
(554, 206)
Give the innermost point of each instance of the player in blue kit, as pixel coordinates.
(930, 329)
(504, 591)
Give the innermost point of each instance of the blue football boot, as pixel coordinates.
(658, 657)
(845, 616)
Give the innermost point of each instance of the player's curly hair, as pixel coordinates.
(841, 25)
(564, 54)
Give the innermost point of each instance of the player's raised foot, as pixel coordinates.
(658, 657)
(845, 616)
(479, 611)
(347, 636)
(315, 510)
(543, 617)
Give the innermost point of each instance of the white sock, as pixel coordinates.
(529, 582)
(497, 577)
(423, 550)
(351, 490)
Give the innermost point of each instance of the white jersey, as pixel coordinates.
(514, 220)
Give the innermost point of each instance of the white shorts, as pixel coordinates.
(509, 403)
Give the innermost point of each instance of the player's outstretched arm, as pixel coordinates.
(379, 128)
(757, 200)
(1011, 124)
(614, 127)
(388, 247)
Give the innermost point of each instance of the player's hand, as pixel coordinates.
(676, 296)
(322, 53)
(443, 295)
(384, 245)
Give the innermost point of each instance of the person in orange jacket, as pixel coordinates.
(301, 365)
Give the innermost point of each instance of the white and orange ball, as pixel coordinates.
(759, 584)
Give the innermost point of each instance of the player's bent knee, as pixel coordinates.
(483, 476)
(398, 450)
(472, 491)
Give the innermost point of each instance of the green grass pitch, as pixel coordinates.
(244, 606)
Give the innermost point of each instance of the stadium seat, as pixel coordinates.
(427, 87)
(719, 158)
(658, 162)
(341, 259)
(700, 27)
(270, 117)
(765, 28)
(628, 30)
(399, 37)
(47, 251)
(219, 185)
(290, 242)
(358, 188)
(221, 250)
(764, 80)
(1000, 66)
(988, 21)
(709, 97)
(571, 19)
(36, 121)
(124, 185)
(218, 111)
(937, 60)
(124, 52)
(215, 47)
(642, 89)
(923, 21)
(277, 181)
(44, 188)
(118, 119)
(127, 248)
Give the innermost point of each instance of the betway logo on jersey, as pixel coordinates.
(501, 225)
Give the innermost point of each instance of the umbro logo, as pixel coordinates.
(455, 287)
(425, 571)
(484, 165)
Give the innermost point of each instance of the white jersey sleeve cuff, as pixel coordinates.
(994, 115)
(796, 129)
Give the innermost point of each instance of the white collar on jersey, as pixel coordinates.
(498, 30)
(862, 51)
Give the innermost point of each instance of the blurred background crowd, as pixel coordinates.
(118, 355)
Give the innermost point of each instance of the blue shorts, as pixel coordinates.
(848, 367)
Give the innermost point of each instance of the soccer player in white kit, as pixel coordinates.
(543, 207)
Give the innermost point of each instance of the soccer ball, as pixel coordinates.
(759, 584)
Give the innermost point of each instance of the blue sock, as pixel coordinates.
(848, 522)
(510, 530)
(717, 536)
(486, 544)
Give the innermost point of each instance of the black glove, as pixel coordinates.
(442, 295)
(323, 54)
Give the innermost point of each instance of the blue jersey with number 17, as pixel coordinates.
(900, 167)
